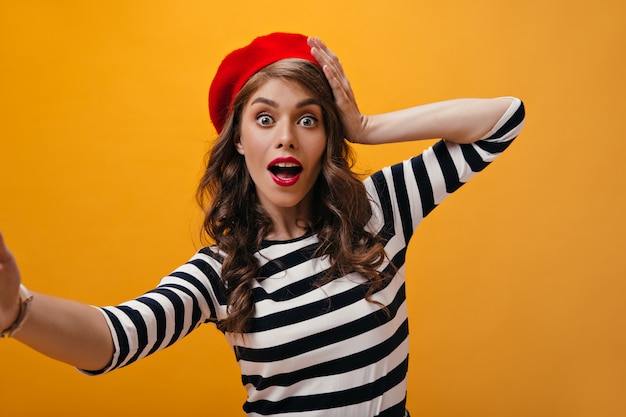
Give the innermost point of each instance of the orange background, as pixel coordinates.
(516, 283)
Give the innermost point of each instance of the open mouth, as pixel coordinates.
(285, 170)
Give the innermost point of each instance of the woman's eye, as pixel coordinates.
(308, 121)
(264, 119)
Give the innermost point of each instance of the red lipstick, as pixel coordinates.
(285, 171)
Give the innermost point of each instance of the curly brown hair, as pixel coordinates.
(236, 222)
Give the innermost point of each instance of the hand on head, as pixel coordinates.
(354, 122)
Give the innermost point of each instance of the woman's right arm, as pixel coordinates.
(65, 330)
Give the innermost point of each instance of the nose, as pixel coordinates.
(286, 136)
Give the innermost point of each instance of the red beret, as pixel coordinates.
(241, 64)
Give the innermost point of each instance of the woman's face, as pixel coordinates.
(282, 140)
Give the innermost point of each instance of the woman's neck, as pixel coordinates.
(287, 229)
(289, 222)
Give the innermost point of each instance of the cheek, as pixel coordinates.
(254, 165)
(321, 157)
(323, 150)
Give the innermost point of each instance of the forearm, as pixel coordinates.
(68, 331)
(459, 120)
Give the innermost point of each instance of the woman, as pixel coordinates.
(306, 273)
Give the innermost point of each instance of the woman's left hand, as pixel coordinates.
(354, 122)
(9, 287)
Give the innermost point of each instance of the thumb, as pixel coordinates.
(5, 253)
(9, 274)
(9, 284)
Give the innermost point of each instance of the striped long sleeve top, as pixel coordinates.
(315, 350)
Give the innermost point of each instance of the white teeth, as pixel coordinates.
(286, 165)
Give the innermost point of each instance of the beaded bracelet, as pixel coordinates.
(25, 298)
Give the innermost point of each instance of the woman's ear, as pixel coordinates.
(239, 145)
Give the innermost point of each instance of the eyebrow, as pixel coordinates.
(272, 103)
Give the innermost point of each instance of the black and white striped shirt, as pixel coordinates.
(316, 351)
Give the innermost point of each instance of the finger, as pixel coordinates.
(324, 55)
(338, 82)
(324, 49)
(335, 84)
(332, 61)
(333, 71)
(330, 70)
(6, 257)
(321, 57)
(330, 64)
(4, 251)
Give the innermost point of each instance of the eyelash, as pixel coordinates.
(262, 115)
(314, 119)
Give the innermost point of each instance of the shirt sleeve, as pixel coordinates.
(405, 193)
(185, 299)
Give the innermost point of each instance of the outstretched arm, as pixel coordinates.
(65, 330)
(461, 120)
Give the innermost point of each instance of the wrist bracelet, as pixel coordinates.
(25, 298)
